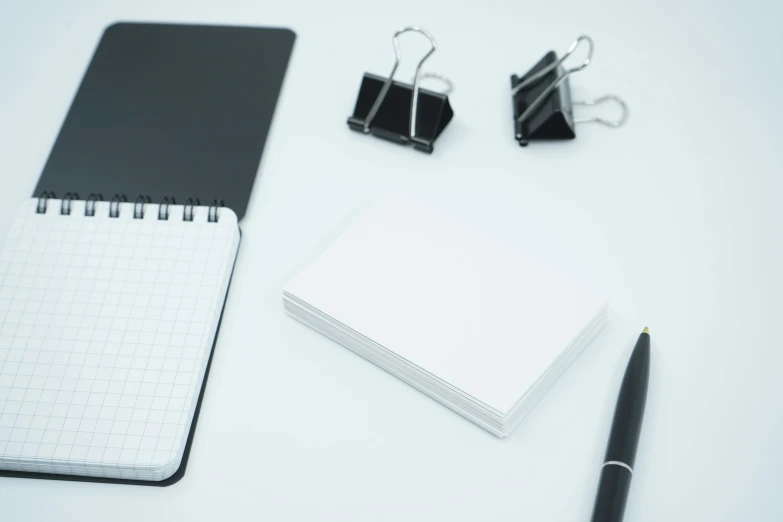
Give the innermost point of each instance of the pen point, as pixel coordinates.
(646, 330)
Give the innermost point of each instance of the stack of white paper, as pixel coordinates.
(476, 326)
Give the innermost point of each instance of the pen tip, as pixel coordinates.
(646, 330)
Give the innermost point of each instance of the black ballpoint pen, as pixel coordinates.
(617, 469)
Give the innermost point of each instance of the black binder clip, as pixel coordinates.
(543, 109)
(399, 112)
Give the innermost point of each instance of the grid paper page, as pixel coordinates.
(106, 327)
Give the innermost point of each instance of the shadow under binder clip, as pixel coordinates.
(403, 113)
(543, 109)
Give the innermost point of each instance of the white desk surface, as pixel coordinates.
(675, 217)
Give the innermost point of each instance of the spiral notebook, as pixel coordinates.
(114, 277)
(108, 320)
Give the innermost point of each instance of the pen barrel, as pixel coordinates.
(612, 494)
(629, 412)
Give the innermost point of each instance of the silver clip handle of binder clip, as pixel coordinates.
(555, 84)
(597, 119)
(416, 79)
(448, 84)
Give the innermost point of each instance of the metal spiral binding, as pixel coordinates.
(65, 205)
(138, 207)
(163, 209)
(89, 206)
(187, 210)
(41, 207)
(114, 206)
(212, 214)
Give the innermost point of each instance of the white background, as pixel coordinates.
(675, 217)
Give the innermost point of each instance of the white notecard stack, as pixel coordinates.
(476, 326)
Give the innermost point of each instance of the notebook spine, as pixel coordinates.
(139, 206)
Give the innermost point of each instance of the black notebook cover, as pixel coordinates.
(166, 110)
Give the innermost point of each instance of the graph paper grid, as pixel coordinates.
(106, 327)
